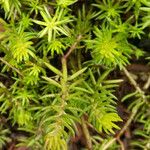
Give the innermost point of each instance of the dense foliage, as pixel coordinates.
(57, 64)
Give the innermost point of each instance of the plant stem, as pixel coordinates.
(147, 84)
(121, 144)
(86, 134)
(127, 124)
(133, 82)
(9, 65)
(109, 143)
(64, 69)
(79, 59)
(73, 47)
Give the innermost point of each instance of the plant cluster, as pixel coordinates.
(56, 60)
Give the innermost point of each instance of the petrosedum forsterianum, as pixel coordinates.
(109, 49)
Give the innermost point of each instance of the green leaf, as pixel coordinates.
(104, 75)
(51, 81)
(76, 74)
(113, 81)
(52, 68)
(129, 96)
(65, 3)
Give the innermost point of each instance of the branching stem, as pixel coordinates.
(121, 144)
(73, 47)
(117, 138)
